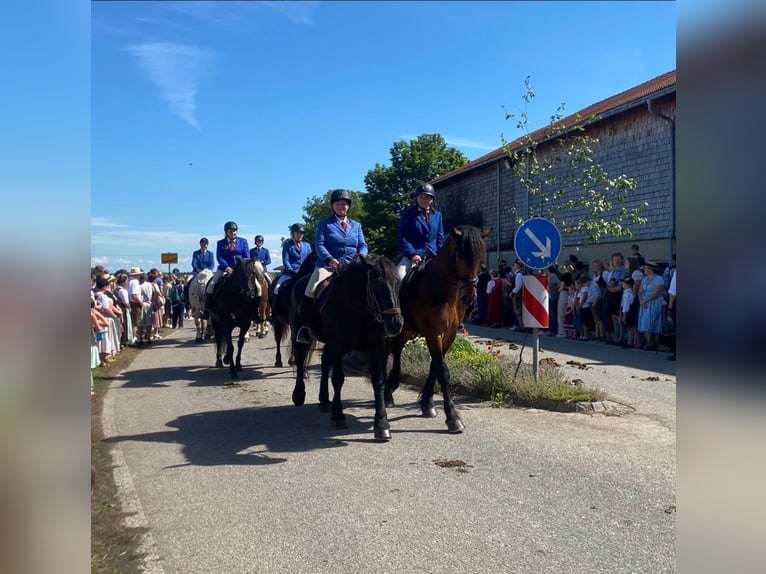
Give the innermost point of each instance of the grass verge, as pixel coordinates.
(487, 375)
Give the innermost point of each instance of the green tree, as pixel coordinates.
(318, 207)
(563, 182)
(388, 187)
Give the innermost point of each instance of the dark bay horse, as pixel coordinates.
(359, 310)
(281, 308)
(433, 298)
(235, 304)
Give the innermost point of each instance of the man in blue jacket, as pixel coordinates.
(228, 251)
(260, 253)
(338, 240)
(294, 252)
(421, 232)
(202, 258)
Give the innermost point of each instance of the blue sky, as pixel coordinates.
(206, 112)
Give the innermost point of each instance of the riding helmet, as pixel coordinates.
(296, 227)
(426, 188)
(203, 240)
(258, 238)
(230, 225)
(339, 194)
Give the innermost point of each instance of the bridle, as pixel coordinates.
(372, 303)
(461, 281)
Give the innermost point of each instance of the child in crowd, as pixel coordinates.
(628, 315)
(584, 304)
(176, 297)
(569, 314)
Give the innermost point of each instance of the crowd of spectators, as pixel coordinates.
(129, 308)
(622, 301)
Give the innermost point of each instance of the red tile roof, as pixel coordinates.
(629, 98)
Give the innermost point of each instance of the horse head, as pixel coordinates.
(468, 253)
(382, 293)
(252, 276)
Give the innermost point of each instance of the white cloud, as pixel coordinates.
(104, 222)
(296, 12)
(471, 144)
(176, 70)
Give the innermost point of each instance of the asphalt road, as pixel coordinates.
(235, 479)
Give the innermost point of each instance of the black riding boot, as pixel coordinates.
(206, 307)
(304, 315)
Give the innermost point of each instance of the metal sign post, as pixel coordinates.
(537, 244)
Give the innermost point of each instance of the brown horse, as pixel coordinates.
(261, 322)
(433, 299)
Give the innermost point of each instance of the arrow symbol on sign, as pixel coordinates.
(545, 250)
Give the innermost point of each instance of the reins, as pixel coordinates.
(372, 304)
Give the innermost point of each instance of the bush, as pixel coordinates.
(485, 374)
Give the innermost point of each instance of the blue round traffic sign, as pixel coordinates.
(537, 243)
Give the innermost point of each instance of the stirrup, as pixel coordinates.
(303, 335)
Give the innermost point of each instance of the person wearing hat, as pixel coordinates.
(228, 252)
(136, 303)
(338, 240)
(650, 312)
(260, 253)
(202, 258)
(421, 231)
(294, 252)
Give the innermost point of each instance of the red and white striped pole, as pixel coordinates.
(535, 301)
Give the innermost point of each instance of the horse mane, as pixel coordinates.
(307, 267)
(469, 245)
(354, 274)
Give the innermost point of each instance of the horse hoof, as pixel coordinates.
(455, 427)
(239, 367)
(219, 365)
(390, 403)
(226, 360)
(382, 435)
(324, 407)
(198, 340)
(291, 362)
(428, 412)
(278, 364)
(299, 399)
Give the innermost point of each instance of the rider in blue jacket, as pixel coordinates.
(228, 251)
(294, 252)
(202, 258)
(338, 240)
(260, 253)
(421, 232)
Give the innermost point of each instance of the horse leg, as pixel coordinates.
(218, 346)
(324, 392)
(392, 381)
(337, 418)
(381, 427)
(278, 330)
(454, 423)
(427, 393)
(228, 359)
(198, 327)
(237, 365)
(299, 391)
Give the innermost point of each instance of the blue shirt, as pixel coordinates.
(227, 257)
(416, 237)
(292, 257)
(202, 261)
(333, 242)
(261, 254)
